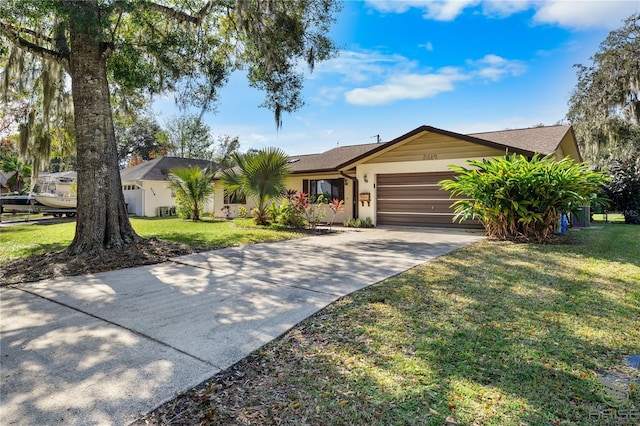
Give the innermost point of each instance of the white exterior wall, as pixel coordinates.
(293, 182)
(372, 170)
(150, 195)
(218, 203)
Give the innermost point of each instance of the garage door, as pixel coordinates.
(416, 199)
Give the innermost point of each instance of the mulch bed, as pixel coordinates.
(59, 264)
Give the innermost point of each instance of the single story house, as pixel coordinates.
(396, 182)
(146, 185)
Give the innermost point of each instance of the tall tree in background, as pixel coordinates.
(38, 106)
(605, 105)
(142, 140)
(187, 47)
(189, 137)
(227, 148)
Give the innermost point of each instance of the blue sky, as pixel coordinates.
(464, 65)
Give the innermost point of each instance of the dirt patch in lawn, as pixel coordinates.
(59, 264)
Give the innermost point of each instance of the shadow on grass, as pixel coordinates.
(496, 333)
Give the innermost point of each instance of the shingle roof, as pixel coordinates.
(543, 140)
(329, 160)
(158, 168)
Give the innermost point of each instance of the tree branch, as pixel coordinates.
(13, 34)
(177, 14)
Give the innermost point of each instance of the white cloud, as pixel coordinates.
(406, 86)
(586, 14)
(439, 10)
(395, 84)
(358, 67)
(505, 8)
(493, 67)
(428, 46)
(576, 14)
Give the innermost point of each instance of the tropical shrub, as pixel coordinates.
(516, 198)
(259, 175)
(243, 212)
(358, 223)
(297, 210)
(623, 188)
(193, 186)
(336, 206)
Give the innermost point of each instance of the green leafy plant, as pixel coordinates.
(516, 198)
(358, 223)
(193, 187)
(243, 212)
(261, 176)
(312, 208)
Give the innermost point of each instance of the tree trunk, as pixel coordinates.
(103, 223)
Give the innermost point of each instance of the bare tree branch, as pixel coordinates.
(14, 35)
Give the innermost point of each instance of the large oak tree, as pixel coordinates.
(605, 105)
(186, 47)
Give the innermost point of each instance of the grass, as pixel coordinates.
(492, 334)
(610, 217)
(31, 239)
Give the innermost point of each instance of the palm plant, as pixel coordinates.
(192, 185)
(21, 171)
(259, 175)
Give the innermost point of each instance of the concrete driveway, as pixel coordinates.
(103, 348)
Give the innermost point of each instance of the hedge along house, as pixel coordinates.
(146, 185)
(396, 183)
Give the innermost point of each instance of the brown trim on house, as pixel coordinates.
(431, 129)
(354, 195)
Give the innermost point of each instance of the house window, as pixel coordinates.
(234, 198)
(329, 188)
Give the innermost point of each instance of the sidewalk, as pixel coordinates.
(103, 348)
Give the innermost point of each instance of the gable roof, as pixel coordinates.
(543, 140)
(158, 168)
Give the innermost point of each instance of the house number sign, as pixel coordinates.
(430, 157)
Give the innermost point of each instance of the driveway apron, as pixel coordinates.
(103, 348)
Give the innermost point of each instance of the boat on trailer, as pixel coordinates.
(19, 203)
(57, 201)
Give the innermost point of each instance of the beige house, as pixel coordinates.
(396, 183)
(146, 185)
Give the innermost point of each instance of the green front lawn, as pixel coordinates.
(29, 239)
(492, 334)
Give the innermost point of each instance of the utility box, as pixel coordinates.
(581, 219)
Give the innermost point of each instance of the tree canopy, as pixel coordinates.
(605, 105)
(189, 137)
(143, 140)
(132, 49)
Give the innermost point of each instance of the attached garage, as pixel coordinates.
(415, 199)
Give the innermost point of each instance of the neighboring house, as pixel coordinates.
(146, 185)
(396, 183)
